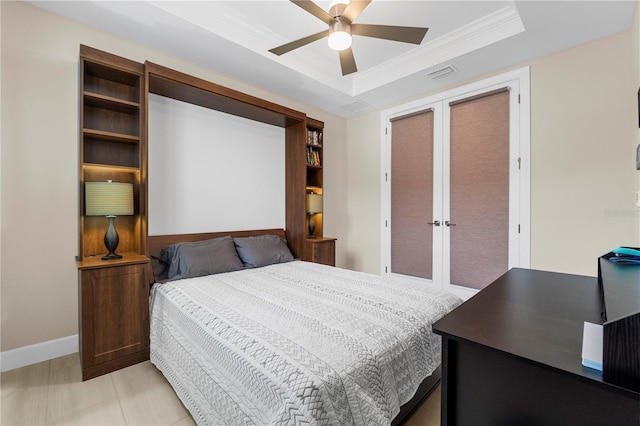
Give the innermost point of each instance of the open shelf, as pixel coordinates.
(111, 81)
(110, 136)
(108, 168)
(108, 102)
(112, 121)
(110, 150)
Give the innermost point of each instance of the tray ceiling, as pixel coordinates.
(470, 37)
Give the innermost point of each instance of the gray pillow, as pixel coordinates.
(206, 257)
(262, 250)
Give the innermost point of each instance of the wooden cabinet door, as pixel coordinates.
(115, 313)
(322, 251)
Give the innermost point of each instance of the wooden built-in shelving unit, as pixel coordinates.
(112, 145)
(318, 249)
(314, 162)
(114, 294)
(114, 91)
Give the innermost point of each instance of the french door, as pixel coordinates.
(453, 187)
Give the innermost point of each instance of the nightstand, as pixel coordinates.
(114, 313)
(321, 250)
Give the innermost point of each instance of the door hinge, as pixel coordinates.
(386, 131)
(386, 178)
(518, 98)
(385, 270)
(519, 163)
(518, 228)
(386, 225)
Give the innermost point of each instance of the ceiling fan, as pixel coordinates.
(340, 19)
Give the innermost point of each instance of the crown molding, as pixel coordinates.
(220, 19)
(487, 30)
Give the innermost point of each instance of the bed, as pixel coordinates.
(275, 340)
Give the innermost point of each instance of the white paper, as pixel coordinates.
(592, 338)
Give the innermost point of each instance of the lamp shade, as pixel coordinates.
(314, 203)
(108, 199)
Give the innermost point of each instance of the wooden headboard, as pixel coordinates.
(158, 242)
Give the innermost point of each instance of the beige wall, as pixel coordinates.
(363, 199)
(582, 174)
(635, 75)
(582, 114)
(39, 148)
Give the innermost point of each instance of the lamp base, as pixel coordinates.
(312, 226)
(111, 240)
(111, 256)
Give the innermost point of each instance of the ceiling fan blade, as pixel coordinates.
(355, 8)
(288, 47)
(314, 9)
(389, 32)
(347, 61)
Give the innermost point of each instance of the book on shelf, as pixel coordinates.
(313, 157)
(314, 137)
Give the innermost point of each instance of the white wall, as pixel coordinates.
(582, 176)
(212, 172)
(39, 165)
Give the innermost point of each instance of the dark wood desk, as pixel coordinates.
(512, 356)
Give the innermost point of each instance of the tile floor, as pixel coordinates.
(53, 393)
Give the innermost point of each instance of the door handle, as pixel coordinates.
(435, 222)
(447, 223)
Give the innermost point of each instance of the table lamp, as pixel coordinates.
(314, 205)
(109, 199)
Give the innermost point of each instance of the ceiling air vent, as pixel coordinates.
(356, 106)
(442, 72)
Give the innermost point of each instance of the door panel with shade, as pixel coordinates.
(453, 194)
(478, 224)
(412, 218)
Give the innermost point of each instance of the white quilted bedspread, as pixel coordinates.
(295, 343)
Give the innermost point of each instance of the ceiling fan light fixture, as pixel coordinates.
(340, 40)
(337, 7)
(339, 19)
(339, 35)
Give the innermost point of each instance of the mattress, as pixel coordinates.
(295, 343)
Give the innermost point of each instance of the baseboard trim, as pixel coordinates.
(32, 354)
